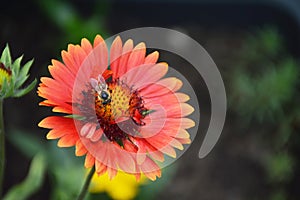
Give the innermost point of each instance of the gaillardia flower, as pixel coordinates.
(119, 109)
(13, 76)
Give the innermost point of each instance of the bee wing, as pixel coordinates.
(93, 82)
(102, 82)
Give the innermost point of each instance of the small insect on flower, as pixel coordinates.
(101, 89)
(123, 114)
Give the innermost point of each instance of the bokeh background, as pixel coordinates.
(255, 45)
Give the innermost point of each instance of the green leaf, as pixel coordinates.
(5, 89)
(24, 91)
(16, 65)
(6, 57)
(147, 112)
(24, 72)
(78, 117)
(20, 81)
(32, 182)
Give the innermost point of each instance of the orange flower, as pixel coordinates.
(122, 114)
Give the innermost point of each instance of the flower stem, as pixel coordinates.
(86, 184)
(2, 147)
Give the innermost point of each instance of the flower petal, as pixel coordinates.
(136, 76)
(67, 140)
(137, 56)
(97, 135)
(152, 58)
(86, 45)
(100, 168)
(151, 169)
(89, 161)
(88, 130)
(127, 48)
(175, 143)
(115, 54)
(56, 122)
(80, 149)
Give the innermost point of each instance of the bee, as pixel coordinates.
(100, 86)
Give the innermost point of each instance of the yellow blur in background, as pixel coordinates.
(122, 187)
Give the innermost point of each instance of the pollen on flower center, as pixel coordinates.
(5, 74)
(119, 109)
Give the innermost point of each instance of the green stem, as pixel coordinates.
(86, 184)
(2, 147)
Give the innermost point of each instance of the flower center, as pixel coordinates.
(112, 104)
(5, 74)
(119, 109)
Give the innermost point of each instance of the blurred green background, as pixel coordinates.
(255, 44)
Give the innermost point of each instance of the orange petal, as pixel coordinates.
(127, 48)
(53, 95)
(100, 168)
(61, 73)
(126, 162)
(88, 130)
(187, 109)
(181, 97)
(187, 123)
(98, 40)
(97, 135)
(140, 157)
(171, 83)
(56, 133)
(55, 87)
(144, 75)
(80, 149)
(181, 110)
(152, 58)
(157, 155)
(79, 55)
(69, 61)
(184, 140)
(161, 88)
(161, 143)
(65, 108)
(56, 122)
(86, 45)
(182, 133)
(137, 176)
(147, 148)
(137, 56)
(184, 122)
(115, 54)
(168, 150)
(175, 143)
(67, 140)
(89, 161)
(150, 169)
(111, 172)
